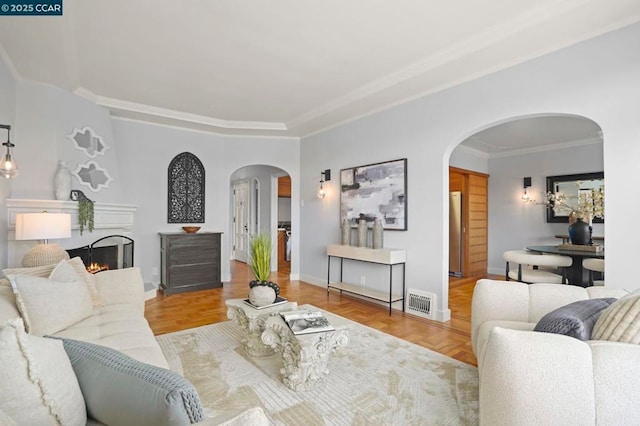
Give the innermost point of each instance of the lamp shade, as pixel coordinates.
(43, 226)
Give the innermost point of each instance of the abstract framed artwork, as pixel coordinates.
(375, 191)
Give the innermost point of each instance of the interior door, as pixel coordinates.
(241, 221)
(474, 189)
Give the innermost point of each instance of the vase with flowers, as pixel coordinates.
(584, 207)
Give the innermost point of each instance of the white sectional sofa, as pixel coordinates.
(117, 320)
(111, 315)
(535, 378)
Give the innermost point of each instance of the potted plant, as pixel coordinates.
(85, 210)
(262, 291)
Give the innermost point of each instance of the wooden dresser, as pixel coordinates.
(189, 262)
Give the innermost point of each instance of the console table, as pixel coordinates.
(384, 256)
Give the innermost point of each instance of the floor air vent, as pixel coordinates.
(420, 303)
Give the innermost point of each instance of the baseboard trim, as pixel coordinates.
(150, 294)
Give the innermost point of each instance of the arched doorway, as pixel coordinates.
(535, 147)
(256, 207)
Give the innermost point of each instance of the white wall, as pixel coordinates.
(7, 116)
(45, 115)
(469, 159)
(597, 79)
(145, 151)
(138, 156)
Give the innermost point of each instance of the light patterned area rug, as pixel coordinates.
(376, 379)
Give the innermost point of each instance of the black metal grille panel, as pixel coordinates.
(185, 189)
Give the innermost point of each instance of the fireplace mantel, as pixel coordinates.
(109, 219)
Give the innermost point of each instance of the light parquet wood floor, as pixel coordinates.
(187, 310)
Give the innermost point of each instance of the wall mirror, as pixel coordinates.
(571, 186)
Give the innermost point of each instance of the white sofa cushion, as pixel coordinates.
(485, 329)
(120, 286)
(8, 307)
(36, 271)
(74, 270)
(119, 327)
(616, 369)
(536, 379)
(39, 386)
(50, 306)
(495, 300)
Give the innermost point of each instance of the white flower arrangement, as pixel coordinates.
(587, 205)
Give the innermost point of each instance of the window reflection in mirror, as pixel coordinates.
(571, 186)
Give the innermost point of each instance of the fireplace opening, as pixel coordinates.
(110, 252)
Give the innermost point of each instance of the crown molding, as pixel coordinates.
(472, 151)
(466, 47)
(134, 107)
(552, 147)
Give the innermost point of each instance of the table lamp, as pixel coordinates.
(43, 226)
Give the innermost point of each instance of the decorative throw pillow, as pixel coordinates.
(37, 271)
(37, 383)
(48, 307)
(8, 308)
(74, 270)
(119, 390)
(575, 319)
(620, 322)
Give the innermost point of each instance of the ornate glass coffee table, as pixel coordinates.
(252, 321)
(305, 356)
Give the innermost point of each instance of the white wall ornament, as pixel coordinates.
(87, 140)
(93, 176)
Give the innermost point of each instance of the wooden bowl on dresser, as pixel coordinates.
(191, 229)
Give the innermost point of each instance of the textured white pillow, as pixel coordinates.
(47, 306)
(37, 271)
(620, 322)
(39, 386)
(74, 270)
(8, 308)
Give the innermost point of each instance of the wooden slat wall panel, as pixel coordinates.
(478, 224)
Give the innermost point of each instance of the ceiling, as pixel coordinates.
(532, 134)
(286, 67)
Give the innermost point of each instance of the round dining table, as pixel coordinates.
(575, 273)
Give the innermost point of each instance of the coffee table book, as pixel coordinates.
(305, 322)
(279, 301)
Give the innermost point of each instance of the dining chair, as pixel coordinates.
(529, 264)
(594, 265)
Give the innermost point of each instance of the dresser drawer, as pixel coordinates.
(193, 275)
(194, 255)
(190, 262)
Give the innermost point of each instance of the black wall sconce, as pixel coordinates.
(526, 183)
(8, 167)
(324, 177)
